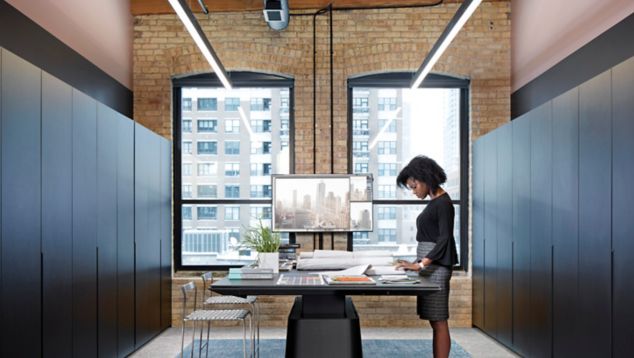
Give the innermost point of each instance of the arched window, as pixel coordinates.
(227, 143)
(389, 124)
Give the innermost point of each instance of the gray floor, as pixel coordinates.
(472, 340)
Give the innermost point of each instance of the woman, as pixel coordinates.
(436, 251)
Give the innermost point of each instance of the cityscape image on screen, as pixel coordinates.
(318, 203)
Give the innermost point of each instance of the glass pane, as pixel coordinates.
(395, 231)
(233, 152)
(381, 118)
(212, 233)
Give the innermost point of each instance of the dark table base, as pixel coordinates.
(323, 326)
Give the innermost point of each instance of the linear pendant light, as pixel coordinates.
(459, 19)
(189, 20)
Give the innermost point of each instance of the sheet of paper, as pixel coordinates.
(355, 270)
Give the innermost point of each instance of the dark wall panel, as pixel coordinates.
(84, 225)
(21, 205)
(57, 243)
(623, 197)
(521, 232)
(565, 223)
(107, 151)
(478, 234)
(125, 235)
(594, 215)
(166, 233)
(28, 40)
(606, 50)
(505, 234)
(147, 222)
(1, 112)
(541, 229)
(490, 233)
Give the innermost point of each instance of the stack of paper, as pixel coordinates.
(250, 273)
(398, 279)
(349, 280)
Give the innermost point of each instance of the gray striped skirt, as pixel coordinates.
(433, 306)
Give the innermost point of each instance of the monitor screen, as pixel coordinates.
(322, 203)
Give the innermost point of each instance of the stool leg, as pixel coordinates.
(183, 339)
(208, 328)
(257, 322)
(244, 338)
(193, 339)
(200, 342)
(252, 335)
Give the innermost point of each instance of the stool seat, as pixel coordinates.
(230, 300)
(217, 315)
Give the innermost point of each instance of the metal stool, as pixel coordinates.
(213, 315)
(249, 301)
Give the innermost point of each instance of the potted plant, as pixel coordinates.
(267, 243)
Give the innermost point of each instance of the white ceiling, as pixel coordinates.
(101, 31)
(543, 31)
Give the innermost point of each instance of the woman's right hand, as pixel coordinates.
(406, 265)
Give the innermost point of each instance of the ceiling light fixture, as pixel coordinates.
(463, 14)
(189, 20)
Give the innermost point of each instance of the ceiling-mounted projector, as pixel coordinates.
(276, 14)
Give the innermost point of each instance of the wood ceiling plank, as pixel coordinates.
(151, 7)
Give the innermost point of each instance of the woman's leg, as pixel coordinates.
(442, 340)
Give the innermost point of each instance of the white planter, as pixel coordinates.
(269, 260)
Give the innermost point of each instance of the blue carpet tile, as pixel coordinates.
(372, 348)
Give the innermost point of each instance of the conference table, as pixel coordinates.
(323, 322)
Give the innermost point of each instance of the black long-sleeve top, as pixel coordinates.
(435, 224)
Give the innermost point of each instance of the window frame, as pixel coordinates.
(239, 79)
(433, 80)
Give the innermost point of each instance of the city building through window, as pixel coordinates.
(225, 187)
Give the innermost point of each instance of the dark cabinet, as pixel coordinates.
(478, 234)
(57, 244)
(540, 231)
(84, 225)
(21, 205)
(622, 198)
(166, 232)
(521, 232)
(107, 150)
(125, 236)
(595, 181)
(565, 213)
(504, 293)
(490, 233)
(147, 214)
(70, 271)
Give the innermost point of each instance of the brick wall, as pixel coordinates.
(365, 42)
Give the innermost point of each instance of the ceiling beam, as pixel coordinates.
(153, 7)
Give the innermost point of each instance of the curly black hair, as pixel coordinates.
(423, 169)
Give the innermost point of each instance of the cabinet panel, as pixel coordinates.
(166, 233)
(565, 222)
(505, 234)
(490, 233)
(21, 205)
(125, 235)
(478, 233)
(541, 229)
(594, 215)
(147, 235)
(521, 232)
(107, 132)
(57, 239)
(84, 225)
(623, 197)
